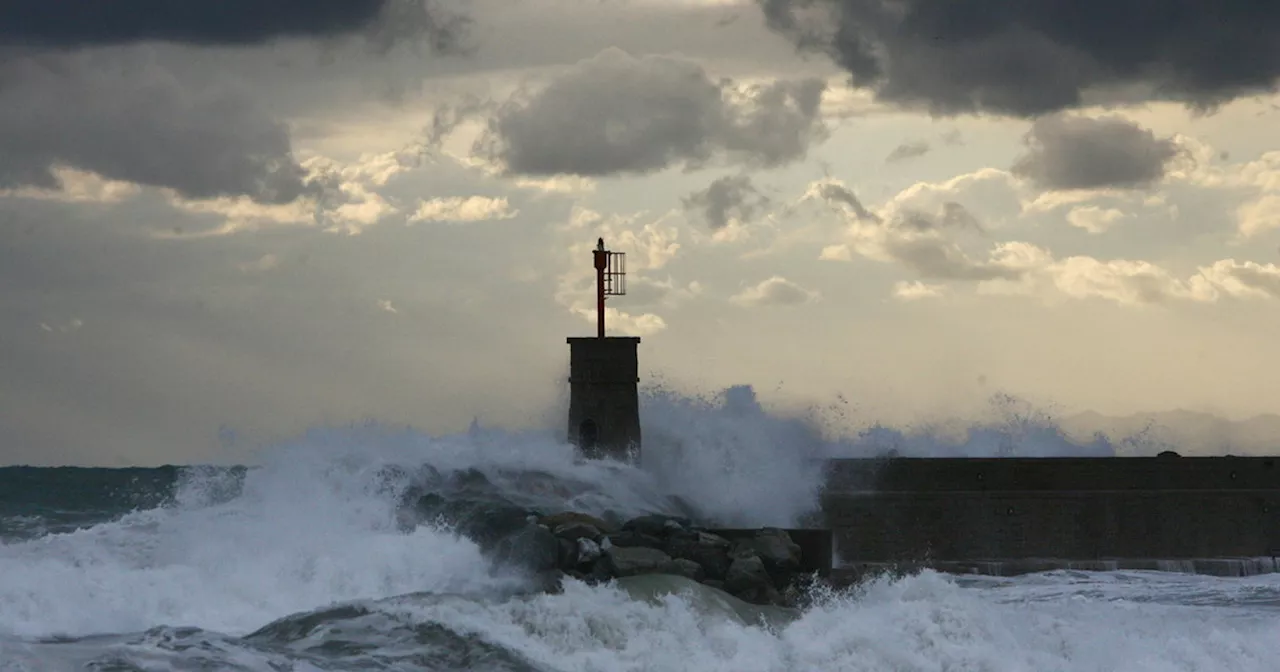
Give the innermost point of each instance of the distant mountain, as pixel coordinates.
(1187, 432)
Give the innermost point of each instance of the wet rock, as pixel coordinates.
(687, 568)
(568, 555)
(714, 563)
(748, 580)
(775, 548)
(533, 547)
(588, 551)
(634, 539)
(555, 520)
(742, 550)
(485, 522)
(628, 561)
(656, 525)
(746, 573)
(708, 550)
(760, 568)
(473, 479)
(600, 571)
(713, 540)
(548, 581)
(577, 531)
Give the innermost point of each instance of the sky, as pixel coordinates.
(227, 221)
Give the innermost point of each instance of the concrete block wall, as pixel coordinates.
(1053, 474)
(1077, 508)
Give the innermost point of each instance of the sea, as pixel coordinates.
(312, 558)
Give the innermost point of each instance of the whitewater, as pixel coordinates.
(310, 560)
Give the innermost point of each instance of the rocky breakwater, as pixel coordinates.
(759, 566)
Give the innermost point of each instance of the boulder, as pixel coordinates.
(656, 525)
(588, 551)
(746, 573)
(708, 550)
(760, 568)
(748, 580)
(713, 540)
(622, 561)
(533, 547)
(575, 531)
(567, 558)
(634, 539)
(775, 547)
(555, 520)
(485, 522)
(687, 568)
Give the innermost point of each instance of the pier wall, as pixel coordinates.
(962, 510)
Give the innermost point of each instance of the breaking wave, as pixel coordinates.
(308, 561)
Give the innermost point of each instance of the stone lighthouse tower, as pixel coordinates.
(604, 403)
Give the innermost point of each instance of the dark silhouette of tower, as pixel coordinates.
(604, 402)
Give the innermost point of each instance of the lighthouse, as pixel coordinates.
(604, 400)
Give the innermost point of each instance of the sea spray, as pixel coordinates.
(311, 535)
(736, 464)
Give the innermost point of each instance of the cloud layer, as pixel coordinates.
(127, 118)
(729, 199)
(54, 25)
(1029, 57)
(775, 291)
(617, 114)
(1077, 152)
(88, 90)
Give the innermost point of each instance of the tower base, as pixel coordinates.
(604, 400)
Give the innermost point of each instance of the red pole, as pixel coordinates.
(601, 261)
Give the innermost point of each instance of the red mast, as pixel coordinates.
(611, 279)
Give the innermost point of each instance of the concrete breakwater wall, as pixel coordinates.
(851, 573)
(964, 514)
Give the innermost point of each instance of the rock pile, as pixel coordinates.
(760, 567)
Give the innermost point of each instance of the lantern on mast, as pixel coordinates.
(611, 279)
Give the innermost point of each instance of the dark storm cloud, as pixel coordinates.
(1029, 57)
(1072, 152)
(730, 197)
(129, 120)
(80, 89)
(616, 114)
(67, 24)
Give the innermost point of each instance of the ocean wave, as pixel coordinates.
(361, 548)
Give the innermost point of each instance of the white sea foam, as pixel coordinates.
(925, 622)
(315, 524)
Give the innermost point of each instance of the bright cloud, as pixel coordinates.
(775, 291)
(463, 209)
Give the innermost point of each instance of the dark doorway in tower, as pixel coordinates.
(588, 435)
